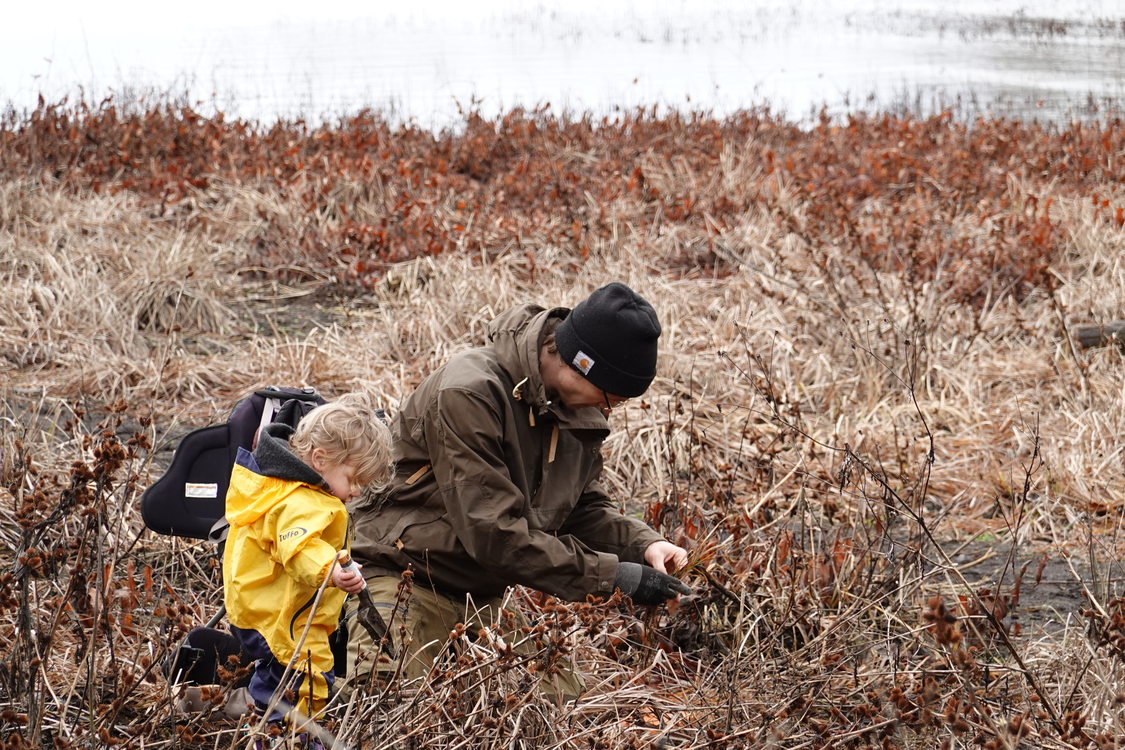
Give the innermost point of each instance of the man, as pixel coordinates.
(498, 455)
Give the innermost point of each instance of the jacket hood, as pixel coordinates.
(276, 459)
(272, 460)
(515, 336)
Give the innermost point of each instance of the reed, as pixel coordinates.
(898, 472)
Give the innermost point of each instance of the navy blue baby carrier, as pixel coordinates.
(189, 500)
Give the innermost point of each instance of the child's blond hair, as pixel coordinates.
(350, 433)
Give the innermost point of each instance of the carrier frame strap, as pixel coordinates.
(269, 409)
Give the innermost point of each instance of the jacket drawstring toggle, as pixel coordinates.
(517, 394)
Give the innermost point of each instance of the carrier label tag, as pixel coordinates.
(201, 489)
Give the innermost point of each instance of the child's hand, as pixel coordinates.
(349, 579)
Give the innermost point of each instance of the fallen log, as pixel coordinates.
(1089, 336)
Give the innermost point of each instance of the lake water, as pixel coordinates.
(1048, 59)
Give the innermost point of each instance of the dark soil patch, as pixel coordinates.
(1045, 589)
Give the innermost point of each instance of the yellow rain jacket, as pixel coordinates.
(285, 532)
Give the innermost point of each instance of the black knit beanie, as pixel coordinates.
(610, 337)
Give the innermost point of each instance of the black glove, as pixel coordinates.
(647, 585)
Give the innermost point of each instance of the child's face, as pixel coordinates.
(340, 477)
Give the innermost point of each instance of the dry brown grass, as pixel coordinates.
(787, 441)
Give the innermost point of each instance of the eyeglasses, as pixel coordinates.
(612, 401)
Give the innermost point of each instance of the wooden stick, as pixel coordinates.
(1101, 335)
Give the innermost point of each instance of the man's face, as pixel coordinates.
(569, 387)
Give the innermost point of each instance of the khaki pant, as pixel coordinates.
(420, 630)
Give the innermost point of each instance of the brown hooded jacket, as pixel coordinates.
(495, 485)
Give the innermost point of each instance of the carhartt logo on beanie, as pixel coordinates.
(610, 337)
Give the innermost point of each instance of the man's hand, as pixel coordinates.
(646, 585)
(665, 556)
